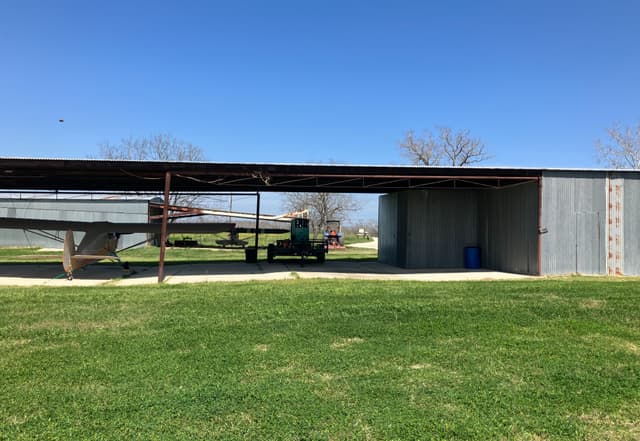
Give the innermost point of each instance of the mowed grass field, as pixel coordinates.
(149, 255)
(303, 360)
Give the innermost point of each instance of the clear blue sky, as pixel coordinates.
(318, 81)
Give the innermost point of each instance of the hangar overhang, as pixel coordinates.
(149, 176)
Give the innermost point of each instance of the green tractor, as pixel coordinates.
(299, 244)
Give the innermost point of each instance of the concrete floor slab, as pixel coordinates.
(51, 275)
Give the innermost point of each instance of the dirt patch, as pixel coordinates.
(17, 420)
(15, 342)
(419, 366)
(84, 325)
(623, 425)
(346, 342)
(616, 342)
(630, 347)
(592, 304)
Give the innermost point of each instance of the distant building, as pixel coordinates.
(86, 210)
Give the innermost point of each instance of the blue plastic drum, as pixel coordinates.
(472, 257)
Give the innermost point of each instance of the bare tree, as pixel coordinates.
(322, 207)
(622, 149)
(421, 151)
(457, 149)
(159, 147)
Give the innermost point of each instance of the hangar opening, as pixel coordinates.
(523, 220)
(430, 229)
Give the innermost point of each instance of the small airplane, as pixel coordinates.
(101, 238)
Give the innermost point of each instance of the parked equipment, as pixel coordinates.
(185, 242)
(233, 241)
(299, 244)
(333, 235)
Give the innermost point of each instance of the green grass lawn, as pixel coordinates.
(29, 255)
(353, 238)
(209, 240)
(180, 255)
(526, 360)
(149, 255)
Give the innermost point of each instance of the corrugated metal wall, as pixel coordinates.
(69, 209)
(574, 213)
(431, 228)
(388, 229)
(590, 222)
(632, 226)
(508, 228)
(439, 225)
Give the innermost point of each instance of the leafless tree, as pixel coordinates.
(322, 207)
(622, 150)
(452, 148)
(421, 151)
(159, 147)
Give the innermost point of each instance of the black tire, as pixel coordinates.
(320, 257)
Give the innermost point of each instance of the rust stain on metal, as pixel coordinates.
(615, 222)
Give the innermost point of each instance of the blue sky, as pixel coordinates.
(318, 81)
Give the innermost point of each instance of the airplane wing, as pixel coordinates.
(112, 227)
(261, 230)
(42, 224)
(178, 227)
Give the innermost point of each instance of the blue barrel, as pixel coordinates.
(472, 257)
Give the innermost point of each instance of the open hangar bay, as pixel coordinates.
(526, 221)
(565, 222)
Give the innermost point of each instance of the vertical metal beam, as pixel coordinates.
(257, 220)
(539, 225)
(165, 219)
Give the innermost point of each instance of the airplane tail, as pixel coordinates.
(69, 250)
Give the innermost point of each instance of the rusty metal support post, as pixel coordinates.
(165, 219)
(257, 220)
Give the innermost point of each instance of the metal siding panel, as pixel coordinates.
(440, 224)
(632, 226)
(518, 238)
(508, 220)
(558, 205)
(65, 209)
(566, 196)
(588, 243)
(402, 246)
(483, 229)
(388, 229)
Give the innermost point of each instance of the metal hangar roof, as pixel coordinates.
(149, 176)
